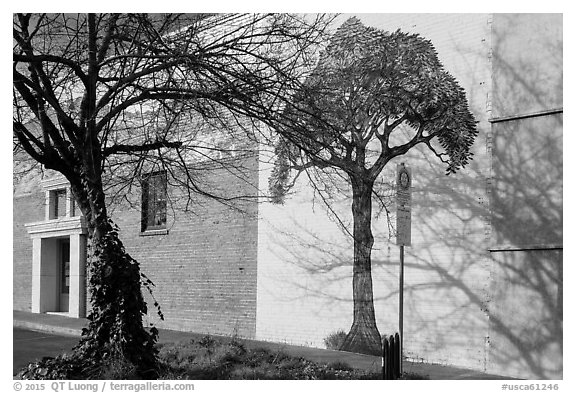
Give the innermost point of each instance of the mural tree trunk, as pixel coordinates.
(363, 336)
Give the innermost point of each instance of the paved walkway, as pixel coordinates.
(62, 325)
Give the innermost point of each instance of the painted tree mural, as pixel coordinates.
(369, 90)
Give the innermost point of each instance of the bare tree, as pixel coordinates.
(94, 92)
(373, 96)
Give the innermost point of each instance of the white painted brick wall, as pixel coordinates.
(301, 300)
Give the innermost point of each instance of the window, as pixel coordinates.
(59, 200)
(58, 203)
(154, 202)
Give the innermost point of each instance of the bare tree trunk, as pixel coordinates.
(363, 336)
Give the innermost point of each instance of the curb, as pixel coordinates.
(47, 328)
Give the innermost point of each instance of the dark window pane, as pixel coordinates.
(154, 202)
(58, 203)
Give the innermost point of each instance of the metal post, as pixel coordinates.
(401, 308)
(384, 354)
(385, 359)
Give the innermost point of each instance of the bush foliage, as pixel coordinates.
(334, 340)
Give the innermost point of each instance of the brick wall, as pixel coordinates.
(27, 207)
(204, 269)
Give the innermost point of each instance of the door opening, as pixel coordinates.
(64, 267)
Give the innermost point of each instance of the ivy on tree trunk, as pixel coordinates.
(115, 331)
(115, 328)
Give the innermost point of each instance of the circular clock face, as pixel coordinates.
(404, 179)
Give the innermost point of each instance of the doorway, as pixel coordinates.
(59, 266)
(64, 275)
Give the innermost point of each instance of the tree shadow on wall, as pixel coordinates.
(521, 223)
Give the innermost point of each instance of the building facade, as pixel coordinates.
(483, 276)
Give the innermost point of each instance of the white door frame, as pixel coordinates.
(45, 259)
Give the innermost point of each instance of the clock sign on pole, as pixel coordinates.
(403, 205)
(403, 236)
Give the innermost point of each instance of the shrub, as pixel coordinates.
(73, 366)
(61, 367)
(335, 340)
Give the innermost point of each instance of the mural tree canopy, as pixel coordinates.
(97, 90)
(367, 86)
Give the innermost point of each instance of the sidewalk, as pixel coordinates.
(72, 327)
